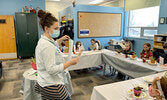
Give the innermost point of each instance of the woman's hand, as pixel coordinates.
(71, 62)
(74, 61)
(65, 37)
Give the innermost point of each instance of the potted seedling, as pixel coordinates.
(118, 51)
(33, 63)
(133, 55)
(153, 60)
(137, 91)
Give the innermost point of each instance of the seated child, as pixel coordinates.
(158, 89)
(127, 49)
(79, 46)
(164, 54)
(146, 52)
(94, 45)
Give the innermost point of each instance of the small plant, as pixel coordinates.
(137, 91)
(118, 50)
(138, 88)
(33, 63)
(134, 55)
(33, 60)
(153, 60)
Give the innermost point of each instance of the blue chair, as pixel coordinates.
(89, 49)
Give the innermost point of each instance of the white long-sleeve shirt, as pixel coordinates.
(49, 62)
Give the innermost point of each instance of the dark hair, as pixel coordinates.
(93, 40)
(77, 44)
(165, 45)
(148, 45)
(46, 19)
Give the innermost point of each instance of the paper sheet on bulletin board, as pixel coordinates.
(92, 24)
(84, 32)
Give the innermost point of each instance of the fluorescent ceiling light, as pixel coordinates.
(55, 0)
(96, 1)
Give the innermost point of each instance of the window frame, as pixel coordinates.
(141, 29)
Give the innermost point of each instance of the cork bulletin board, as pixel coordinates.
(91, 24)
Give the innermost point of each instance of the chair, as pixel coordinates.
(0, 69)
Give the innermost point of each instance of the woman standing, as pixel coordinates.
(50, 63)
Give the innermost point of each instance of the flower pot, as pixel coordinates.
(144, 60)
(137, 92)
(126, 56)
(133, 56)
(153, 61)
(34, 66)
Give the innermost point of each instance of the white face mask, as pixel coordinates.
(55, 34)
(78, 46)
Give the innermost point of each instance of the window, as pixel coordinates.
(143, 22)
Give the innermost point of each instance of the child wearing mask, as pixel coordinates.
(146, 52)
(158, 89)
(164, 54)
(79, 46)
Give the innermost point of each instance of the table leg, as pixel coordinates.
(110, 70)
(113, 72)
(104, 69)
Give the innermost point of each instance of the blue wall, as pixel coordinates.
(66, 12)
(86, 8)
(162, 28)
(9, 7)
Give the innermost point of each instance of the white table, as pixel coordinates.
(87, 59)
(119, 90)
(134, 68)
(90, 59)
(28, 86)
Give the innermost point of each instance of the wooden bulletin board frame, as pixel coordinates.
(111, 35)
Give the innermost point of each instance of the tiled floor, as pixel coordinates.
(83, 83)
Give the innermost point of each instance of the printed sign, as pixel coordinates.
(84, 31)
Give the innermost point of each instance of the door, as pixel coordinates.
(22, 35)
(7, 38)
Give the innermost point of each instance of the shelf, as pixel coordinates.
(161, 35)
(158, 47)
(160, 41)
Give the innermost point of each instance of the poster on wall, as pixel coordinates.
(84, 32)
